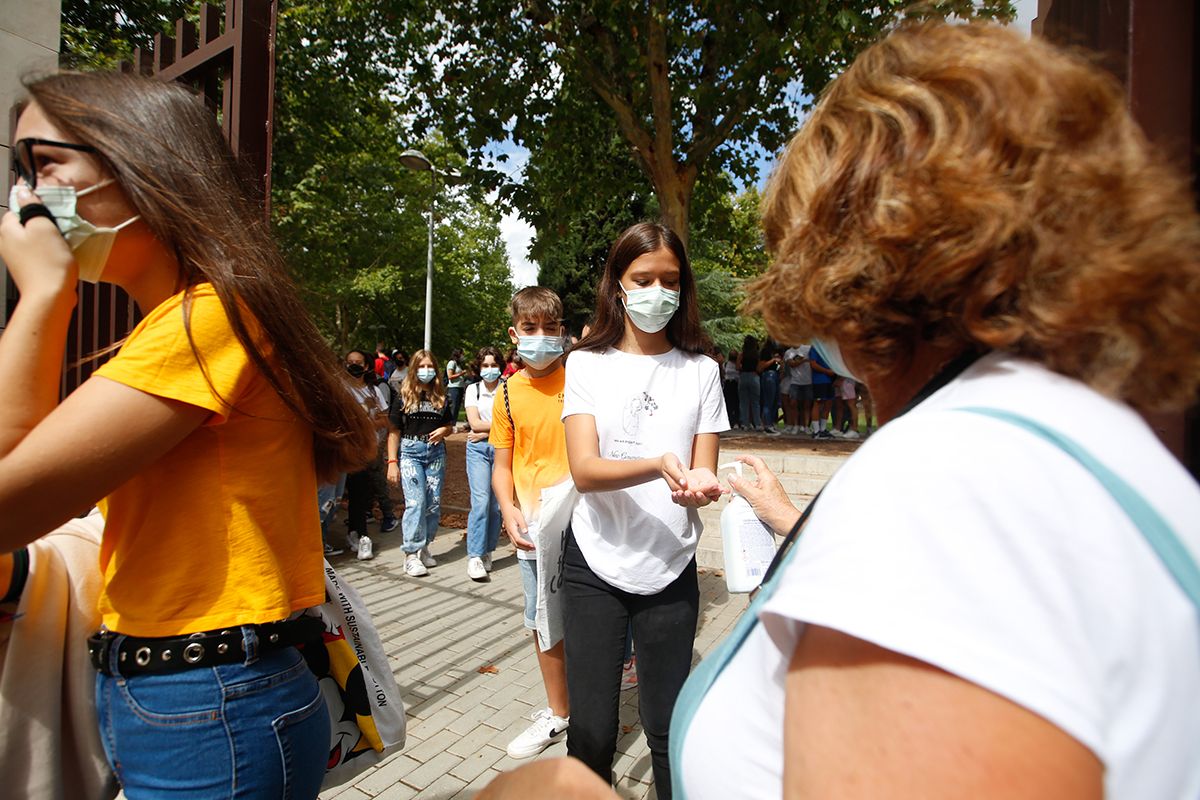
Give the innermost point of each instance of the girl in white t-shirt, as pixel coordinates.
(643, 408)
(483, 523)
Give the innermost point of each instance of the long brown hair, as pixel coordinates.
(167, 154)
(683, 331)
(412, 390)
(966, 187)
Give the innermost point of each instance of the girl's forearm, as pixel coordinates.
(31, 354)
(596, 474)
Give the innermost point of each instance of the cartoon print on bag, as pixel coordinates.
(340, 677)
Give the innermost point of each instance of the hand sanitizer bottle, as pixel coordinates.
(748, 543)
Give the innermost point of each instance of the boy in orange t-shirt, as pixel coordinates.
(531, 455)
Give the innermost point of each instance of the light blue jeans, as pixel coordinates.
(483, 523)
(422, 467)
(253, 730)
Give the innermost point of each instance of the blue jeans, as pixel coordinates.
(483, 523)
(751, 411)
(422, 467)
(253, 730)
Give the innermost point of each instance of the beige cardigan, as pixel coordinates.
(49, 740)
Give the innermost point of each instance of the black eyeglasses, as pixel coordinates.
(23, 163)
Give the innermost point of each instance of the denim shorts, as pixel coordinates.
(254, 730)
(529, 583)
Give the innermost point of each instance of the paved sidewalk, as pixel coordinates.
(440, 632)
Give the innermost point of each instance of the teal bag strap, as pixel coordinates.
(1161, 537)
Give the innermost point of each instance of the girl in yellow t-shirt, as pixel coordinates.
(204, 435)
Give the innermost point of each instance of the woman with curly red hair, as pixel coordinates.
(997, 595)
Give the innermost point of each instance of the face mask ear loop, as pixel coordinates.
(95, 187)
(127, 222)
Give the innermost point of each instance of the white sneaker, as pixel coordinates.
(352, 540)
(475, 569)
(487, 561)
(426, 557)
(413, 566)
(366, 550)
(771, 431)
(835, 433)
(545, 731)
(851, 434)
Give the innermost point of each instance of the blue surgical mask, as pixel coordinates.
(490, 374)
(651, 308)
(831, 354)
(539, 352)
(426, 374)
(89, 244)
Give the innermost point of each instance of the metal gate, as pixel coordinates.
(230, 60)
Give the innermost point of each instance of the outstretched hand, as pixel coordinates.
(699, 488)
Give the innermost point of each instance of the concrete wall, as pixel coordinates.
(28, 43)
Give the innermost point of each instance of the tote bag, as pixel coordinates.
(366, 714)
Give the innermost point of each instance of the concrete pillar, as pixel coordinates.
(28, 44)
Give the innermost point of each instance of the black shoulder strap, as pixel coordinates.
(507, 407)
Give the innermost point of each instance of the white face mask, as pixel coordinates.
(90, 244)
(426, 374)
(832, 355)
(650, 309)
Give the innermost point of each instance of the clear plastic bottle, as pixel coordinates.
(748, 544)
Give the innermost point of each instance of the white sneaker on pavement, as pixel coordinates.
(426, 557)
(545, 731)
(413, 566)
(487, 561)
(366, 551)
(475, 569)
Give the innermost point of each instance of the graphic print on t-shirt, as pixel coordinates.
(641, 403)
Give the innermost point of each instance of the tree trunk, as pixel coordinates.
(673, 187)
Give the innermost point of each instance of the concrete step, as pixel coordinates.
(801, 475)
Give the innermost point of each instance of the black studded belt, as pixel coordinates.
(139, 655)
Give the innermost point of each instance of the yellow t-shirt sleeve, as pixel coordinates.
(159, 359)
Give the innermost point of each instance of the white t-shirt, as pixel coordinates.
(988, 552)
(801, 375)
(731, 370)
(481, 397)
(638, 539)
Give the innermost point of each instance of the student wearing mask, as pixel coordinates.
(416, 457)
(204, 436)
(643, 408)
(483, 522)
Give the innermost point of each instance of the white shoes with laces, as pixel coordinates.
(545, 731)
(413, 566)
(476, 570)
(366, 549)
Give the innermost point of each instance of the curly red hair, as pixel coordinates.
(965, 187)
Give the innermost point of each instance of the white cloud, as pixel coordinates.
(517, 234)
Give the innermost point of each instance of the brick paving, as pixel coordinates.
(439, 632)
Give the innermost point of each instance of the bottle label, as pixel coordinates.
(758, 547)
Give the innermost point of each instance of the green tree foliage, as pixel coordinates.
(99, 34)
(350, 219)
(692, 86)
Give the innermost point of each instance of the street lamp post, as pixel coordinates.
(416, 160)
